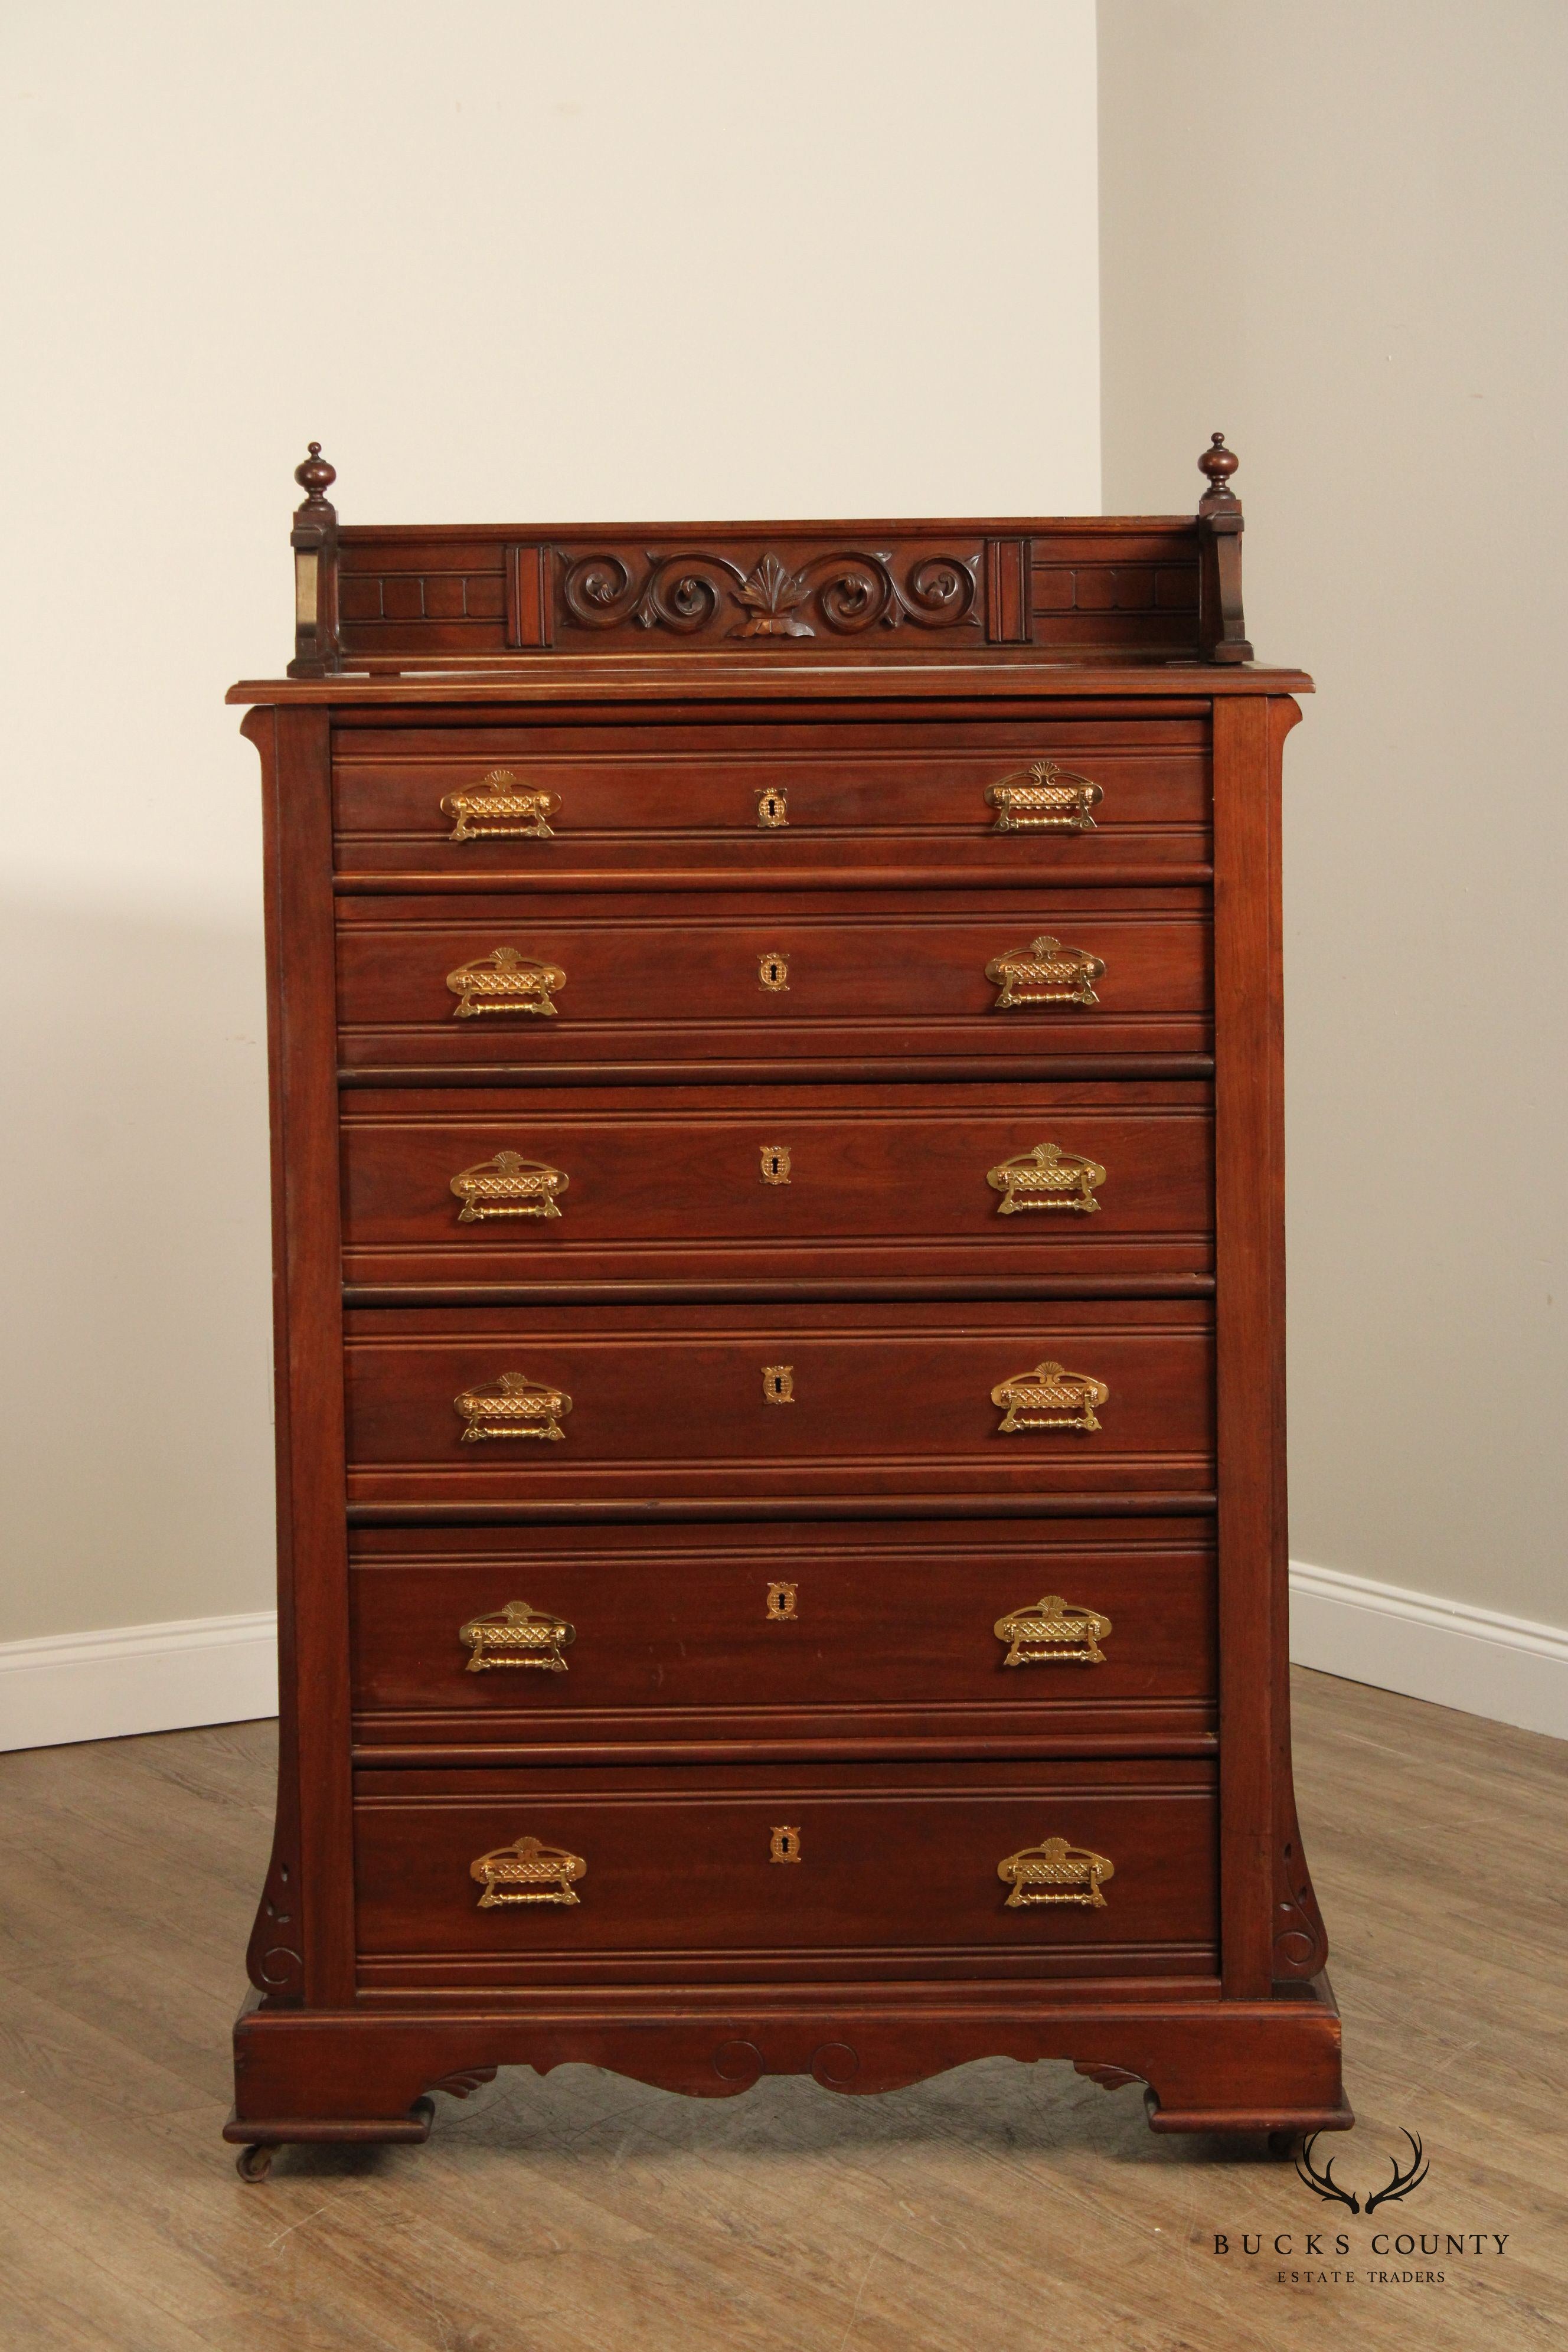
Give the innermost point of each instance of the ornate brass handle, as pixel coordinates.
(1045, 972)
(1051, 1633)
(1047, 1398)
(1053, 800)
(498, 809)
(509, 1186)
(527, 1871)
(506, 981)
(516, 1636)
(1053, 1872)
(1045, 1178)
(513, 1406)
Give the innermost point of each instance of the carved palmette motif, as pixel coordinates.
(509, 1186)
(513, 1406)
(1047, 1398)
(1045, 1178)
(1054, 1872)
(516, 1636)
(500, 808)
(697, 594)
(506, 981)
(1048, 799)
(527, 1871)
(1053, 1632)
(1045, 972)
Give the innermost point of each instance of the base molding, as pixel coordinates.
(127, 1679)
(1210, 2065)
(1445, 1651)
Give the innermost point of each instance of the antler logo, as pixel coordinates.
(1324, 2185)
(1402, 2183)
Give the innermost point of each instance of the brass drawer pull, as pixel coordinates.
(507, 1186)
(1054, 1872)
(527, 1871)
(482, 814)
(506, 981)
(513, 1406)
(1046, 1177)
(516, 1636)
(1054, 800)
(1052, 1633)
(1045, 972)
(1049, 1398)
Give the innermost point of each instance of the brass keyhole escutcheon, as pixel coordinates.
(772, 807)
(772, 971)
(785, 1845)
(778, 1383)
(776, 1158)
(782, 1602)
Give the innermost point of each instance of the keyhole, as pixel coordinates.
(773, 808)
(772, 971)
(778, 1383)
(785, 1845)
(781, 1600)
(775, 1159)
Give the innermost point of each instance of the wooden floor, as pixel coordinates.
(1000, 2208)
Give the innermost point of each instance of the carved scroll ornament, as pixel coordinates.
(695, 595)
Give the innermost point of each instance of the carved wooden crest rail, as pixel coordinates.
(1094, 589)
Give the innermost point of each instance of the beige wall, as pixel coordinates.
(1339, 231)
(513, 260)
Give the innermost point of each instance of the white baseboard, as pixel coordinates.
(1474, 1659)
(135, 1678)
(132, 1679)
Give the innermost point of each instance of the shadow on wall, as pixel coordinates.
(136, 1399)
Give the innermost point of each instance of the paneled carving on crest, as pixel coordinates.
(790, 591)
(1092, 588)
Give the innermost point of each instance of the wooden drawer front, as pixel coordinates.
(683, 1863)
(723, 1638)
(576, 985)
(995, 797)
(640, 1169)
(616, 1401)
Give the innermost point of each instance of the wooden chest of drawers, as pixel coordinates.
(777, 1177)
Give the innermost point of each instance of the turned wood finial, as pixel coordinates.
(1219, 464)
(314, 539)
(315, 476)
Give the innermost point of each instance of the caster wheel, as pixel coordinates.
(253, 2163)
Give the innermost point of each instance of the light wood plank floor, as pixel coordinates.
(994, 2209)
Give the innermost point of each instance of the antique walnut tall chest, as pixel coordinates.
(777, 1152)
